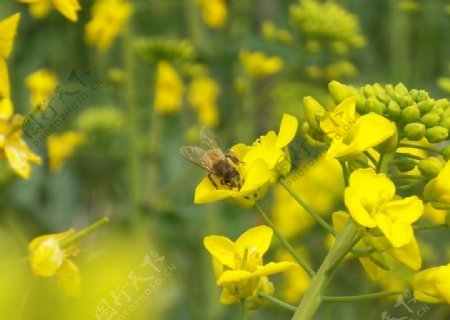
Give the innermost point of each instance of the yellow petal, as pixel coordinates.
(227, 297)
(288, 129)
(68, 8)
(409, 255)
(255, 240)
(69, 278)
(233, 276)
(371, 268)
(339, 219)
(18, 161)
(4, 80)
(47, 256)
(221, 248)
(356, 209)
(407, 210)
(8, 29)
(274, 267)
(398, 233)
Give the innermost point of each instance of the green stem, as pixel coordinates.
(372, 159)
(313, 296)
(362, 297)
(83, 232)
(380, 163)
(408, 155)
(430, 226)
(284, 242)
(244, 310)
(308, 209)
(277, 301)
(428, 149)
(133, 125)
(344, 172)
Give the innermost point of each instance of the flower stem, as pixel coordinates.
(277, 301)
(362, 297)
(371, 158)
(345, 174)
(313, 296)
(284, 242)
(406, 176)
(83, 232)
(308, 209)
(244, 310)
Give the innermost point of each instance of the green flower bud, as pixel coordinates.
(379, 260)
(368, 91)
(407, 166)
(425, 106)
(442, 103)
(373, 105)
(389, 88)
(423, 95)
(445, 152)
(445, 122)
(406, 101)
(394, 110)
(430, 119)
(436, 134)
(361, 104)
(313, 111)
(383, 97)
(414, 93)
(400, 89)
(339, 92)
(430, 167)
(414, 131)
(411, 114)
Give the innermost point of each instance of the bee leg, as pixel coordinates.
(212, 181)
(232, 157)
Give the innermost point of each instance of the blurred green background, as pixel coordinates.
(129, 167)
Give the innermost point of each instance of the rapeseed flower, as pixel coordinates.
(169, 89)
(259, 65)
(40, 8)
(432, 285)
(202, 96)
(214, 12)
(41, 84)
(238, 266)
(438, 189)
(370, 199)
(61, 147)
(108, 18)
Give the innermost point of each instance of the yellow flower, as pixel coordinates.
(350, 136)
(438, 189)
(108, 18)
(41, 84)
(48, 258)
(295, 281)
(8, 29)
(371, 203)
(61, 147)
(6, 107)
(40, 8)
(238, 266)
(433, 285)
(202, 96)
(259, 165)
(169, 89)
(258, 65)
(14, 149)
(378, 260)
(214, 12)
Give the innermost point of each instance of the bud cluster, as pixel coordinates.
(415, 113)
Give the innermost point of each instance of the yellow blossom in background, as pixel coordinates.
(61, 147)
(370, 199)
(202, 96)
(41, 8)
(432, 285)
(214, 12)
(238, 266)
(14, 149)
(48, 258)
(169, 89)
(41, 84)
(108, 19)
(319, 183)
(258, 64)
(6, 106)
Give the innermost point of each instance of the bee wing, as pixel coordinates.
(196, 156)
(208, 141)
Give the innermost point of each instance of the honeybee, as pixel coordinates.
(214, 160)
